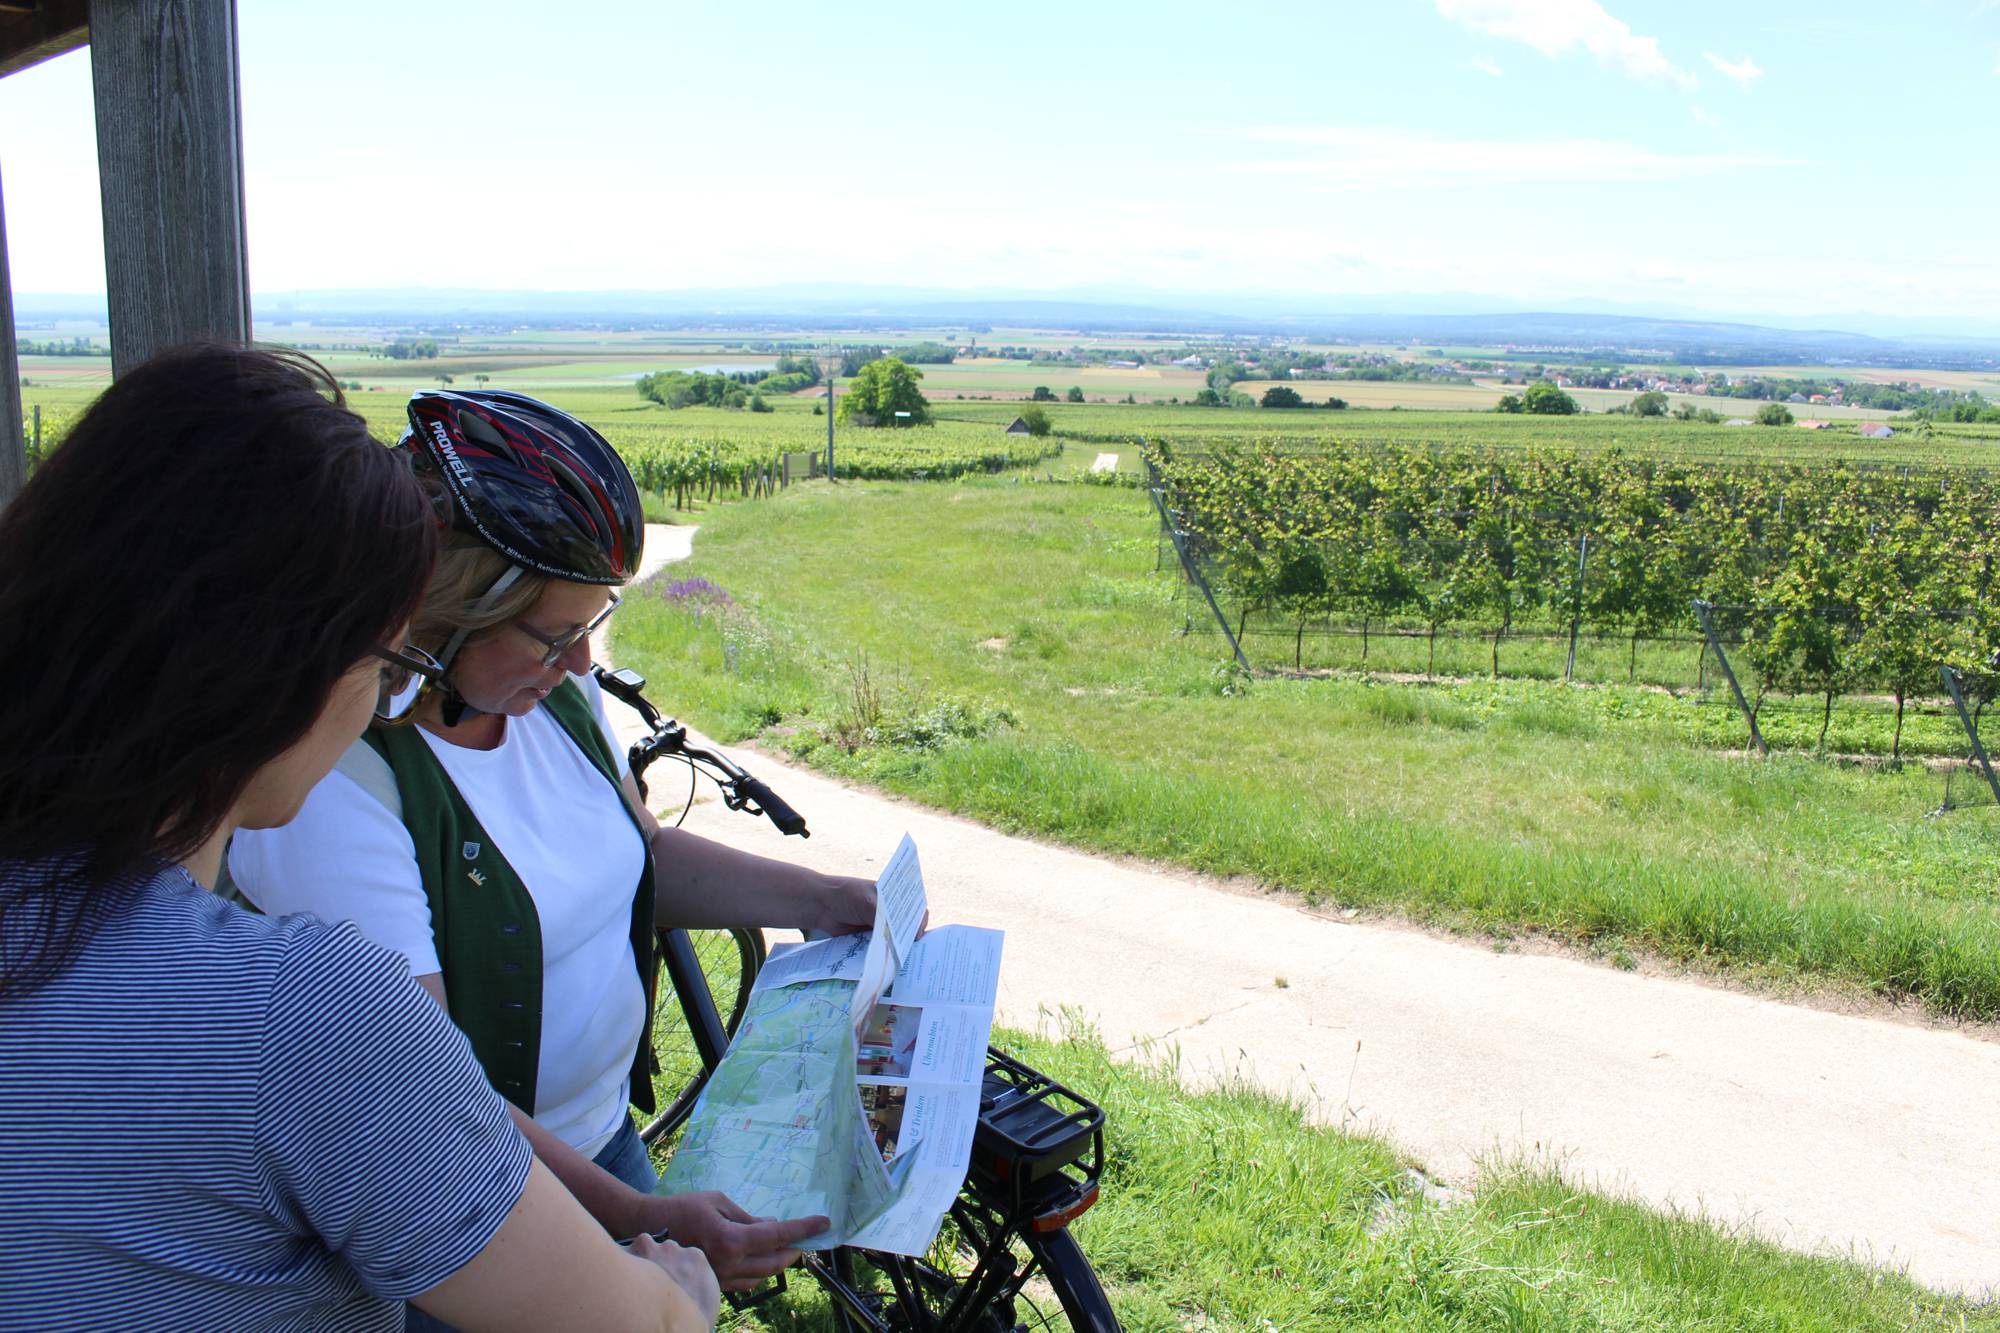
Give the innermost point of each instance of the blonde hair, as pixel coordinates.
(465, 570)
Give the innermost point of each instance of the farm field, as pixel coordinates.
(1388, 393)
(557, 358)
(1019, 379)
(1007, 650)
(1114, 424)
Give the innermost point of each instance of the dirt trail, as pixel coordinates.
(1819, 1130)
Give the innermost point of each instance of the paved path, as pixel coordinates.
(1821, 1131)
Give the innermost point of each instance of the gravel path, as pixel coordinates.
(1822, 1131)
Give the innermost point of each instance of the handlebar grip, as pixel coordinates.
(788, 820)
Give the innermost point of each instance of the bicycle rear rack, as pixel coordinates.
(1039, 1148)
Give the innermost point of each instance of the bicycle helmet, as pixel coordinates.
(534, 483)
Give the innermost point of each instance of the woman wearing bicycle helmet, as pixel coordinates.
(499, 843)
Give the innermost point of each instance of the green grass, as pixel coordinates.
(1006, 650)
(1227, 1210)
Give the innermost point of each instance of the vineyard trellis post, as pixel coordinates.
(1154, 488)
(1576, 606)
(1702, 612)
(1952, 685)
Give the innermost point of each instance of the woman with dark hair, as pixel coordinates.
(208, 1119)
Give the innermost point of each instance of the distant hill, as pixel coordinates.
(1411, 319)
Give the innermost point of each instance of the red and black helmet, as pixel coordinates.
(534, 483)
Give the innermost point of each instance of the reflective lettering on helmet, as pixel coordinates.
(451, 458)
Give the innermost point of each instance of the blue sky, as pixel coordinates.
(1794, 158)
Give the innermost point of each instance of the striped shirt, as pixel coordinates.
(216, 1121)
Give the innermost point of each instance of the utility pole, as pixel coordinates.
(832, 365)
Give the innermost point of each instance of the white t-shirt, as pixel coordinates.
(567, 836)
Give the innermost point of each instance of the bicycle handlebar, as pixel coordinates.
(788, 820)
(740, 791)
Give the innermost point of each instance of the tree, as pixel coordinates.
(1652, 403)
(1075, 394)
(1207, 398)
(882, 389)
(1774, 414)
(1282, 395)
(1336, 404)
(1042, 394)
(1036, 420)
(1509, 402)
(1545, 399)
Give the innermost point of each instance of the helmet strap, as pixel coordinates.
(479, 609)
(455, 707)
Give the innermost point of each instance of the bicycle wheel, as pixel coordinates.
(729, 960)
(981, 1276)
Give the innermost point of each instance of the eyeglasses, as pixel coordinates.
(567, 640)
(404, 672)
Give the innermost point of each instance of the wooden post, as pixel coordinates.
(13, 452)
(170, 163)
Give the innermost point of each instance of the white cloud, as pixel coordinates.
(1703, 116)
(1554, 26)
(1379, 156)
(1743, 71)
(1486, 65)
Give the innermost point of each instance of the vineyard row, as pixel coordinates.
(1832, 579)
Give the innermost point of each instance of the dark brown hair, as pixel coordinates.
(216, 542)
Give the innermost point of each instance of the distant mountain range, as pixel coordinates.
(1431, 319)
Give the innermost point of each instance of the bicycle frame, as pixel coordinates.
(1037, 1153)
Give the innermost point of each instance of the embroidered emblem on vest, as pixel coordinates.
(477, 878)
(470, 851)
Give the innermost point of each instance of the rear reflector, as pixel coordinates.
(1062, 1217)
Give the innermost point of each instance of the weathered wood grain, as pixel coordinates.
(170, 166)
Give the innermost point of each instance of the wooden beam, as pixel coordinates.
(48, 28)
(170, 165)
(13, 451)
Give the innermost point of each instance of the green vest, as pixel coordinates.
(489, 938)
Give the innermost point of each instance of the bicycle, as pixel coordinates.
(1037, 1155)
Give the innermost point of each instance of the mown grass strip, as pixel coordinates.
(1226, 1210)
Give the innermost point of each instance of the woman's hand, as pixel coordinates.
(743, 1250)
(689, 1270)
(846, 904)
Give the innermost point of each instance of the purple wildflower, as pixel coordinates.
(692, 590)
